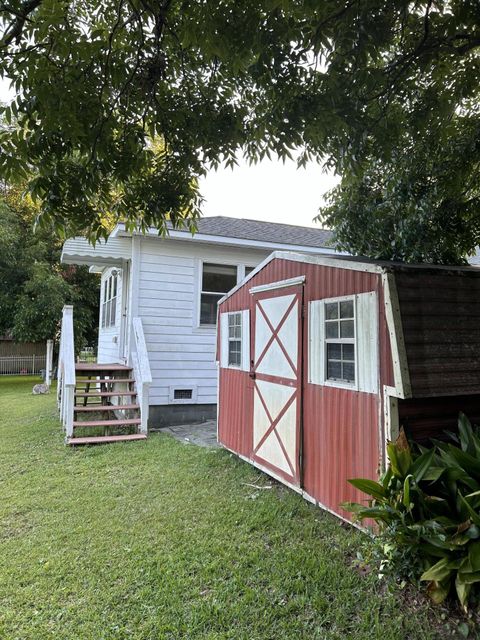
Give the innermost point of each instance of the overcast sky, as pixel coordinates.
(270, 190)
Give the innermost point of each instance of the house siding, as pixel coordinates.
(181, 353)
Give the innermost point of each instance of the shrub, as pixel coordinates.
(427, 508)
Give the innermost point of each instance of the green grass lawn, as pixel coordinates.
(162, 540)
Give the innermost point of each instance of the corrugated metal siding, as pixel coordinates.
(424, 418)
(235, 411)
(342, 430)
(441, 325)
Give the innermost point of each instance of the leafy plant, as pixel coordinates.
(427, 509)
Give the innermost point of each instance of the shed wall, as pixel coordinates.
(441, 325)
(342, 429)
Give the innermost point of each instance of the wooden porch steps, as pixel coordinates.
(93, 366)
(104, 394)
(106, 407)
(106, 439)
(96, 391)
(106, 423)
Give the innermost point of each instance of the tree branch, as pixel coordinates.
(16, 27)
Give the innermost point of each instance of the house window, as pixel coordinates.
(234, 339)
(217, 280)
(340, 341)
(109, 305)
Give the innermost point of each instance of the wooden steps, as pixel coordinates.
(106, 439)
(96, 386)
(104, 394)
(91, 366)
(106, 407)
(106, 423)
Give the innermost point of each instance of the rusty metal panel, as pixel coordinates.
(340, 442)
(440, 314)
(235, 421)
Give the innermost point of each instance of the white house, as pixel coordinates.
(168, 289)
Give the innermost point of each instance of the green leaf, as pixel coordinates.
(370, 487)
(438, 572)
(422, 464)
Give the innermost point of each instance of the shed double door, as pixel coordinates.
(277, 375)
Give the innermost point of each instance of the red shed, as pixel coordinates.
(322, 359)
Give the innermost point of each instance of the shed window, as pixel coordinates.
(217, 280)
(109, 304)
(340, 341)
(343, 342)
(234, 339)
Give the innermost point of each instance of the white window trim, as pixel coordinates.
(343, 384)
(244, 340)
(211, 328)
(324, 381)
(229, 340)
(107, 289)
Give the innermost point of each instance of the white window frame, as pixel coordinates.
(221, 263)
(225, 340)
(366, 331)
(313, 335)
(231, 339)
(109, 301)
(344, 384)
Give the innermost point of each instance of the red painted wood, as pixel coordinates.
(106, 439)
(106, 407)
(105, 423)
(342, 429)
(104, 394)
(93, 366)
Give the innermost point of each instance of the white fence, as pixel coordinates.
(22, 365)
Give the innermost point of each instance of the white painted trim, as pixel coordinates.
(390, 419)
(244, 341)
(177, 234)
(295, 488)
(280, 284)
(397, 342)
(199, 262)
(323, 380)
(390, 412)
(134, 288)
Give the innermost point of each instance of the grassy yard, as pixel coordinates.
(162, 540)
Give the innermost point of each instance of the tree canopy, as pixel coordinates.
(34, 287)
(385, 93)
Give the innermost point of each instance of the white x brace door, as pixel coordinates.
(277, 376)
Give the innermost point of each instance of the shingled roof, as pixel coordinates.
(245, 229)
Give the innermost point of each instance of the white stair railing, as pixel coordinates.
(66, 372)
(139, 361)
